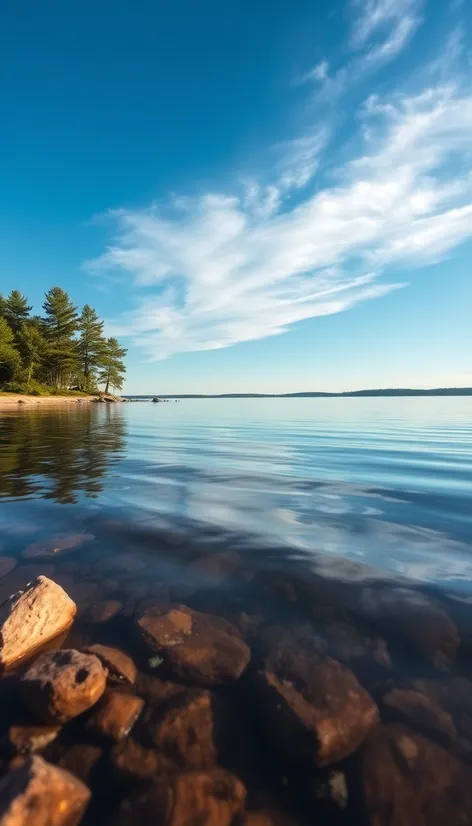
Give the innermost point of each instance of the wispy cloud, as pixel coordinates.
(380, 30)
(217, 272)
(309, 237)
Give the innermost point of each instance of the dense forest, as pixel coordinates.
(58, 351)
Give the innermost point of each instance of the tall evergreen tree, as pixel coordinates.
(33, 348)
(10, 361)
(2, 306)
(113, 369)
(16, 310)
(61, 323)
(90, 347)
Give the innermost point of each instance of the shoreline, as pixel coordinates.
(10, 401)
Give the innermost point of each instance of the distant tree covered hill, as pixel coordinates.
(440, 391)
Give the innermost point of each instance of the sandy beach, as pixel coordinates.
(12, 400)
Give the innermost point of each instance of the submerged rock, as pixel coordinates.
(31, 618)
(102, 611)
(187, 729)
(407, 616)
(314, 709)
(28, 739)
(205, 798)
(62, 684)
(39, 794)
(199, 647)
(408, 780)
(133, 762)
(121, 668)
(81, 759)
(115, 715)
(7, 564)
(420, 710)
(57, 545)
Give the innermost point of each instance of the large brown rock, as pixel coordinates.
(62, 684)
(121, 668)
(187, 729)
(115, 715)
(210, 798)
(201, 648)
(39, 794)
(31, 618)
(314, 708)
(408, 780)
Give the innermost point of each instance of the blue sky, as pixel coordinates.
(260, 196)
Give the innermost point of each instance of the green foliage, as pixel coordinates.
(15, 310)
(113, 368)
(52, 354)
(90, 347)
(10, 361)
(34, 388)
(32, 347)
(61, 322)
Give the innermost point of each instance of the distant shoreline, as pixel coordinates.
(387, 393)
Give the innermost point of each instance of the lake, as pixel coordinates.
(386, 482)
(333, 527)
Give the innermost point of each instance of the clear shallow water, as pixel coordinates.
(384, 482)
(348, 588)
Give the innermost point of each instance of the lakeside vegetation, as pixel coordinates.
(59, 352)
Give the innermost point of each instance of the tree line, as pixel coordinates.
(58, 351)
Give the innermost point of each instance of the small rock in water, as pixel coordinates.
(199, 647)
(121, 668)
(28, 739)
(80, 759)
(115, 715)
(7, 563)
(408, 780)
(102, 611)
(155, 690)
(39, 794)
(187, 729)
(133, 762)
(420, 711)
(31, 618)
(57, 545)
(205, 798)
(266, 817)
(314, 708)
(62, 684)
(415, 619)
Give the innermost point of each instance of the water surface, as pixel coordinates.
(385, 482)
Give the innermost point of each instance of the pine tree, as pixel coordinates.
(90, 347)
(10, 361)
(16, 310)
(2, 306)
(33, 348)
(113, 368)
(61, 323)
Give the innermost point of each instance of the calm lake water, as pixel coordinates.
(292, 580)
(385, 482)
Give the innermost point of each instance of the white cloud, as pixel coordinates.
(380, 31)
(221, 272)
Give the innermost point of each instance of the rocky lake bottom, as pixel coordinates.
(156, 674)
